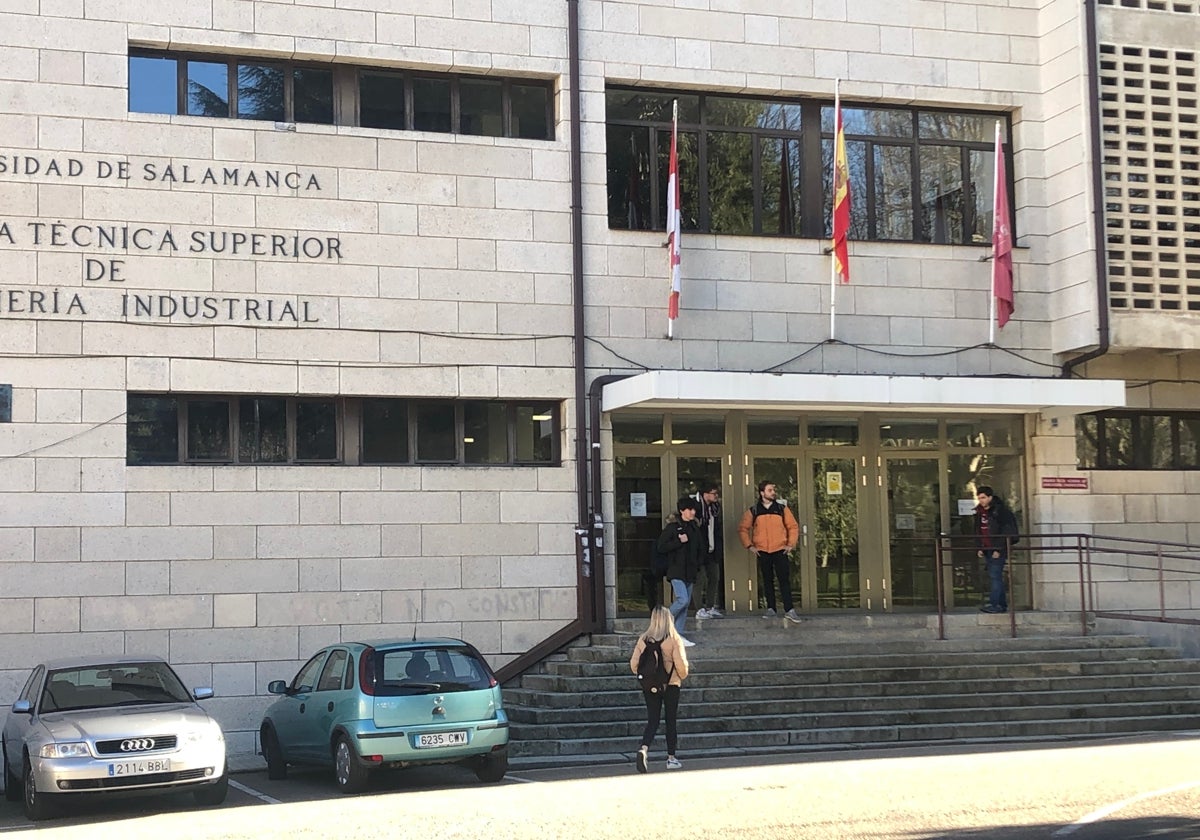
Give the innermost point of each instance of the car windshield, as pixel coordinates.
(100, 686)
(429, 669)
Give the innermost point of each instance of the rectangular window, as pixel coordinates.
(287, 91)
(436, 432)
(208, 437)
(431, 104)
(381, 100)
(1137, 440)
(312, 95)
(915, 175)
(485, 433)
(152, 430)
(153, 84)
(260, 92)
(262, 431)
(316, 430)
(536, 433)
(265, 430)
(207, 88)
(385, 432)
(481, 107)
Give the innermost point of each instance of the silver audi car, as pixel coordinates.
(94, 726)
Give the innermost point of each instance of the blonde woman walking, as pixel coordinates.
(661, 640)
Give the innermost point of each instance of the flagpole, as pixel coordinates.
(996, 186)
(837, 105)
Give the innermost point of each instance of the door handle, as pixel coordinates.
(301, 708)
(330, 706)
(804, 533)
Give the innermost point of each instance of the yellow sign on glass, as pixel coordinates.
(833, 483)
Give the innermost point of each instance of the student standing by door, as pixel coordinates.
(769, 531)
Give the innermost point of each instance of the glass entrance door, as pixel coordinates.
(913, 520)
(830, 533)
(639, 521)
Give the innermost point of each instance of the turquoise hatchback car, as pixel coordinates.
(362, 706)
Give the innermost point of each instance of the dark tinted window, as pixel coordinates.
(485, 433)
(208, 430)
(381, 100)
(153, 85)
(431, 104)
(385, 432)
(481, 107)
(535, 433)
(312, 95)
(436, 432)
(316, 430)
(152, 430)
(531, 112)
(260, 92)
(124, 684)
(262, 431)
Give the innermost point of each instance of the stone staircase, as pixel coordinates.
(857, 681)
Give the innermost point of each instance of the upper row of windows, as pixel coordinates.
(289, 91)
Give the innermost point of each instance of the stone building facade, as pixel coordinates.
(290, 320)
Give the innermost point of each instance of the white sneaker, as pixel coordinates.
(687, 642)
(713, 612)
(674, 763)
(703, 614)
(642, 755)
(768, 613)
(793, 616)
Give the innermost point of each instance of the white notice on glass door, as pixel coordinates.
(637, 504)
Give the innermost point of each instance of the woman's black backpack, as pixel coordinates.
(652, 673)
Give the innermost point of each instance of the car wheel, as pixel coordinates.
(12, 785)
(214, 794)
(492, 766)
(351, 776)
(38, 806)
(273, 754)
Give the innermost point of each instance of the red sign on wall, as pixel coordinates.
(1064, 482)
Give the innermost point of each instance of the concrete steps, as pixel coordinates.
(858, 681)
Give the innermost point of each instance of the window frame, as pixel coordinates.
(346, 89)
(1141, 448)
(813, 219)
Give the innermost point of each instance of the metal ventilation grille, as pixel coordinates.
(1155, 6)
(1151, 127)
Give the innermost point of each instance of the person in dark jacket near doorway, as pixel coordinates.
(709, 580)
(995, 529)
(683, 544)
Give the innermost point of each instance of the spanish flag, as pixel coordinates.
(841, 195)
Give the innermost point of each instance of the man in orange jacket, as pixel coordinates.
(769, 531)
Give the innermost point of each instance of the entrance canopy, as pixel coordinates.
(863, 392)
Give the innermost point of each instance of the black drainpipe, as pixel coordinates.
(1101, 234)
(586, 574)
(598, 612)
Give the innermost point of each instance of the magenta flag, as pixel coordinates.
(1002, 269)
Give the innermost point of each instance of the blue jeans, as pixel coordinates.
(679, 607)
(998, 595)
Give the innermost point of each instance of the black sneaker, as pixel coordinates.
(642, 764)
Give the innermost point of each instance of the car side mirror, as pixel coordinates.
(202, 693)
(22, 707)
(277, 687)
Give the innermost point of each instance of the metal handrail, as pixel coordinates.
(1038, 549)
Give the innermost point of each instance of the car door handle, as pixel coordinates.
(330, 706)
(301, 708)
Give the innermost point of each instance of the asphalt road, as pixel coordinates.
(1113, 790)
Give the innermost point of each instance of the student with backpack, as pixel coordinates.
(660, 663)
(995, 533)
(683, 544)
(769, 530)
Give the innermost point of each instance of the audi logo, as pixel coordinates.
(137, 744)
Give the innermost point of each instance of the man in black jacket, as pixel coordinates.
(995, 529)
(684, 544)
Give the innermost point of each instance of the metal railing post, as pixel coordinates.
(1162, 592)
(939, 576)
(1008, 585)
(1081, 545)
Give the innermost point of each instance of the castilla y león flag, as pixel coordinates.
(841, 197)
(1002, 267)
(674, 222)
